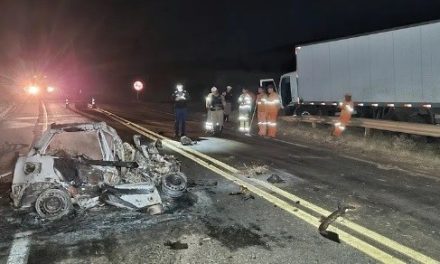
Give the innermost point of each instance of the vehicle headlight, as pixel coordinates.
(32, 167)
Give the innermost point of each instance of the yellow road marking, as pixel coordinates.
(353, 241)
(353, 226)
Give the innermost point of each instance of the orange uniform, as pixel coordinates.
(261, 113)
(347, 108)
(272, 107)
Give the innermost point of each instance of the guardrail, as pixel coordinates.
(368, 124)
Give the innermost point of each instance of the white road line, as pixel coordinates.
(19, 252)
(5, 174)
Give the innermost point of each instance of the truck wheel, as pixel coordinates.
(52, 204)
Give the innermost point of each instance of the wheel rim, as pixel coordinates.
(53, 204)
(174, 185)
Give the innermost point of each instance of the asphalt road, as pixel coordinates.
(398, 203)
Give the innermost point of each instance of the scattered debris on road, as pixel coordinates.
(254, 170)
(177, 245)
(326, 221)
(275, 178)
(186, 141)
(126, 176)
(246, 194)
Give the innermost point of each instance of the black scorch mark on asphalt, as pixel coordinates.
(53, 253)
(234, 236)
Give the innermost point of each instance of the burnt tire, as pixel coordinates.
(53, 204)
(174, 185)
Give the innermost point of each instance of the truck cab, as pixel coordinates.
(287, 90)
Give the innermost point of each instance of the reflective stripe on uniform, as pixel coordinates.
(340, 125)
(273, 102)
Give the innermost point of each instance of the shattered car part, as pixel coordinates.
(186, 141)
(244, 192)
(275, 178)
(132, 196)
(127, 176)
(326, 221)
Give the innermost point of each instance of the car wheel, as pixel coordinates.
(174, 185)
(53, 204)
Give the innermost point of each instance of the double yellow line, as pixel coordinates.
(230, 173)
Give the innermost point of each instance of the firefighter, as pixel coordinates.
(272, 107)
(347, 108)
(244, 111)
(180, 99)
(261, 111)
(215, 104)
(228, 102)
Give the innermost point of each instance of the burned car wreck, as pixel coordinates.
(54, 180)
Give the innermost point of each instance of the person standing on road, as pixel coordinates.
(180, 99)
(261, 111)
(347, 109)
(228, 102)
(244, 111)
(215, 104)
(272, 107)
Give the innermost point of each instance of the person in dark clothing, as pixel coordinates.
(180, 99)
(228, 102)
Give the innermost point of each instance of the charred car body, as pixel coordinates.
(124, 175)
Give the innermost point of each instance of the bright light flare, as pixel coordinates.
(50, 89)
(138, 85)
(33, 89)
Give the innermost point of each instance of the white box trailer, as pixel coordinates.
(384, 71)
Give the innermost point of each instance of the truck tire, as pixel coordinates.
(53, 204)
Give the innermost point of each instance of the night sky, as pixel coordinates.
(107, 44)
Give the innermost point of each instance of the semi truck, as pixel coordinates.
(392, 74)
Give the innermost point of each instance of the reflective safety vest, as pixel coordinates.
(347, 109)
(261, 102)
(273, 102)
(245, 102)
